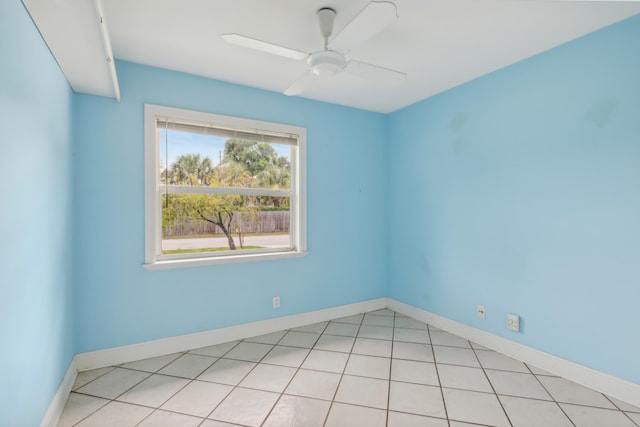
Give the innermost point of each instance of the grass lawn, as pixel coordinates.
(204, 236)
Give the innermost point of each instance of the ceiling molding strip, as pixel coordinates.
(106, 43)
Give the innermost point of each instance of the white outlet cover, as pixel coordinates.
(481, 311)
(513, 322)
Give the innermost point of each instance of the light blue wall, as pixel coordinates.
(36, 344)
(521, 191)
(118, 302)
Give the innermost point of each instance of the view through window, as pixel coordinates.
(221, 190)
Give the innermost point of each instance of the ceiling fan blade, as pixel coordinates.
(375, 73)
(375, 17)
(300, 85)
(274, 49)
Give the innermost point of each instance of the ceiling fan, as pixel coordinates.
(376, 16)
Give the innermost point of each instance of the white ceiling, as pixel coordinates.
(439, 44)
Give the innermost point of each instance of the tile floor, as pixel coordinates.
(373, 369)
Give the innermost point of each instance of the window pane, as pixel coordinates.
(203, 223)
(224, 186)
(195, 159)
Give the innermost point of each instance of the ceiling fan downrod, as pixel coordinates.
(326, 62)
(326, 18)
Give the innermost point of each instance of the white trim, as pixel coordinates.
(224, 122)
(299, 187)
(130, 353)
(229, 259)
(243, 191)
(106, 44)
(612, 386)
(237, 253)
(608, 384)
(151, 207)
(52, 416)
(297, 192)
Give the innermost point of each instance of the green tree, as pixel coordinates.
(246, 164)
(215, 209)
(190, 169)
(219, 209)
(254, 156)
(274, 177)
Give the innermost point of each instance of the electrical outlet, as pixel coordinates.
(513, 322)
(481, 311)
(276, 302)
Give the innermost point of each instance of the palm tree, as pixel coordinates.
(274, 177)
(190, 169)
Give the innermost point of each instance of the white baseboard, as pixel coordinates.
(612, 386)
(60, 399)
(608, 384)
(130, 353)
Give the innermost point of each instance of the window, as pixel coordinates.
(221, 189)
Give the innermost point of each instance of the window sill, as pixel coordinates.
(231, 259)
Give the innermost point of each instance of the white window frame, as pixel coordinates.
(154, 259)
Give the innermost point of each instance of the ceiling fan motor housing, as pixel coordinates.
(326, 17)
(326, 63)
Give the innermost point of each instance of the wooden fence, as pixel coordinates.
(266, 222)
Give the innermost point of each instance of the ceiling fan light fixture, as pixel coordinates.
(326, 63)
